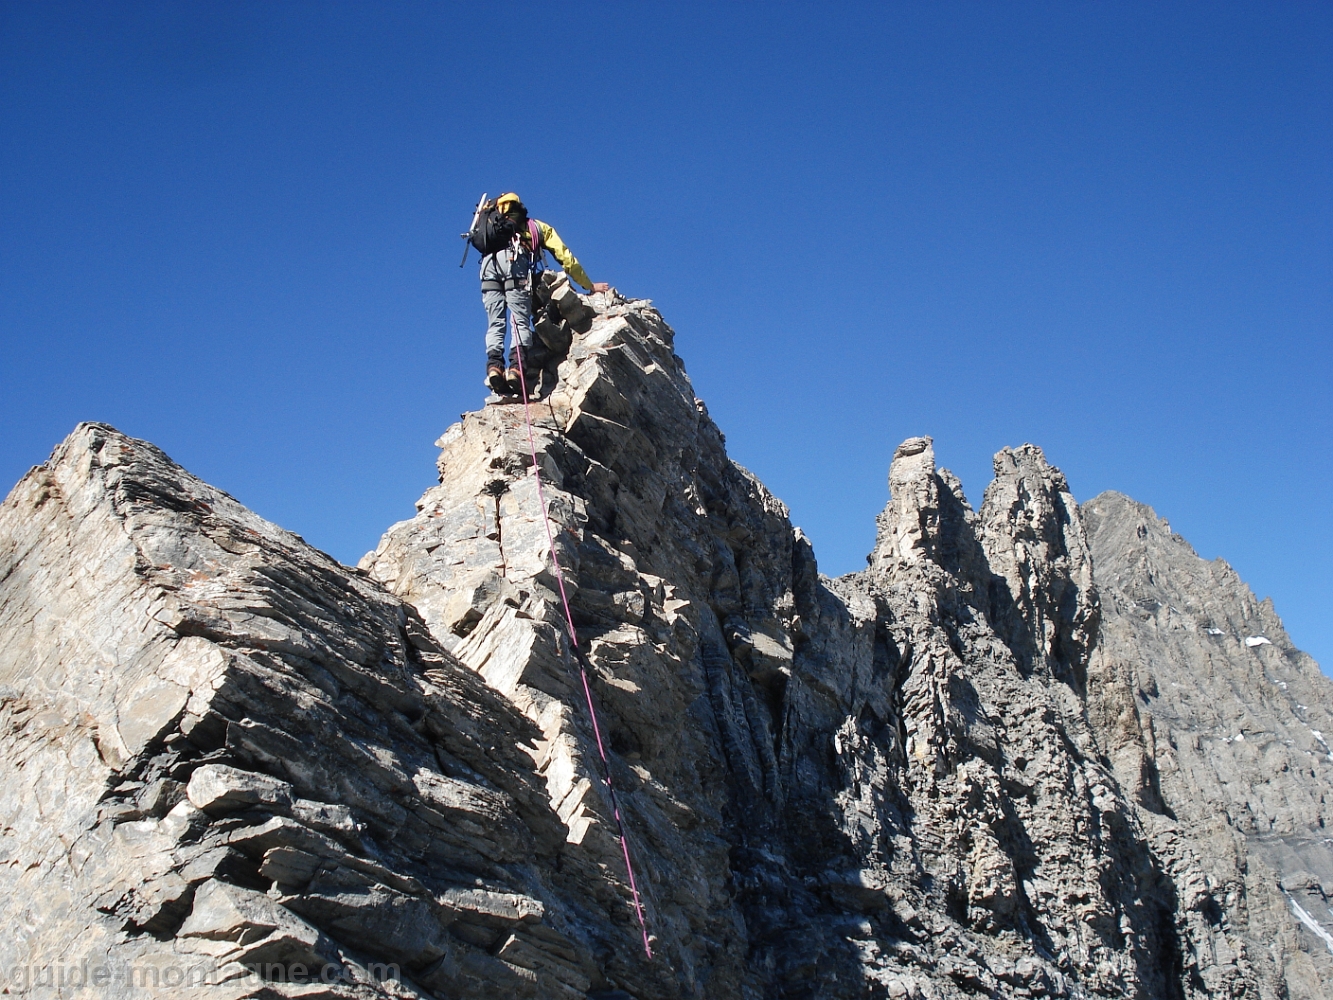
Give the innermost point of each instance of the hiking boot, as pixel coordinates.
(516, 382)
(495, 379)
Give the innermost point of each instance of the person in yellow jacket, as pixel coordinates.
(506, 284)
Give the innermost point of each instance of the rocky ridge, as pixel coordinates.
(1030, 750)
(1226, 740)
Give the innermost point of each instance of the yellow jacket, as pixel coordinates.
(551, 241)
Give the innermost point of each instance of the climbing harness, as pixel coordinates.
(574, 645)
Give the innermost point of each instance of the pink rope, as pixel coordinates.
(578, 653)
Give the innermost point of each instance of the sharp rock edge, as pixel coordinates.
(1029, 751)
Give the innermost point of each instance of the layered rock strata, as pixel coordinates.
(999, 761)
(230, 761)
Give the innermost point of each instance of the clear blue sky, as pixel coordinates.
(1106, 228)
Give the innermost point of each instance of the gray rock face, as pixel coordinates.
(1031, 750)
(224, 752)
(1034, 870)
(1221, 725)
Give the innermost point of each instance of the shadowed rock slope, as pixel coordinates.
(1030, 750)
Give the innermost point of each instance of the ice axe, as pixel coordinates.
(467, 237)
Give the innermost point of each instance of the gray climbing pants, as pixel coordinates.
(506, 281)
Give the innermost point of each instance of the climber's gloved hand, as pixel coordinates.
(600, 286)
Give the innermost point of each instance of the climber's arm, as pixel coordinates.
(552, 241)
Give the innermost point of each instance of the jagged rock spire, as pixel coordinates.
(1035, 542)
(908, 526)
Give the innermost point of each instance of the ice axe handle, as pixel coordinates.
(467, 237)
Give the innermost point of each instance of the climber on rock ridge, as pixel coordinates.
(512, 245)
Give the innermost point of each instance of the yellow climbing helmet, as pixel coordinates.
(504, 199)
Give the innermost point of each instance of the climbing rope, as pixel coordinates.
(574, 644)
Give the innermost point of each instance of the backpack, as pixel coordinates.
(493, 231)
